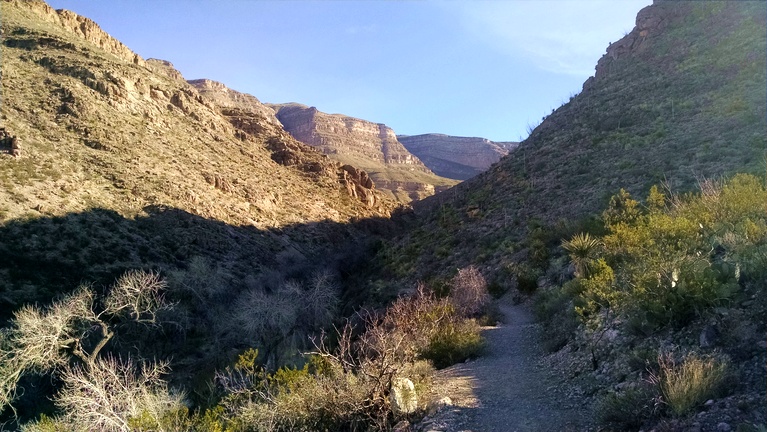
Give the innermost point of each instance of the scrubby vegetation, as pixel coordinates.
(288, 310)
(345, 381)
(666, 266)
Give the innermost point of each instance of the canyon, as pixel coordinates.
(454, 157)
(373, 147)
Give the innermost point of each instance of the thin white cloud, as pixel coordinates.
(362, 29)
(565, 37)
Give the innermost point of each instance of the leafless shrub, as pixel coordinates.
(37, 340)
(410, 322)
(108, 394)
(44, 340)
(201, 279)
(319, 301)
(138, 294)
(469, 293)
(268, 320)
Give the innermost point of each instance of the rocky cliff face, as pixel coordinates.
(80, 26)
(227, 98)
(336, 133)
(456, 157)
(370, 146)
(650, 23)
(80, 100)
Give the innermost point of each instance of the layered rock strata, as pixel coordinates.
(456, 157)
(373, 147)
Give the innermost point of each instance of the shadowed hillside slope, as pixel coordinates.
(108, 135)
(679, 99)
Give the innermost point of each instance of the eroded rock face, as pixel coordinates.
(253, 120)
(372, 147)
(339, 134)
(456, 157)
(225, 97)
(650, 21)
(81, 26)
(358, 184)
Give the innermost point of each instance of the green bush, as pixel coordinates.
(527, 278)
(669, 261)
(553, 307)
(454, 343)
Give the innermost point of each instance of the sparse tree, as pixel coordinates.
(320, 301)
(47, 340)
(268, 319)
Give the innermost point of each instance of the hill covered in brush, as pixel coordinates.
(679, 99)
(635, 215)
(120, 164)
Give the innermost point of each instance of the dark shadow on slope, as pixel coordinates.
(46, 257)
(43, 259)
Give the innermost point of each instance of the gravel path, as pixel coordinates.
(507, 389)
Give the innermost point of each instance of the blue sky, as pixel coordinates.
(466, 68)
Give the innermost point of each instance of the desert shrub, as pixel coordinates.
(115, 396)
(345, 385)
(202, 280)
(527, 277)
(108, 394)
(75, 329)
(47, 424)
(627, 410)
(454, 343)
(423, 326)
(279, 322)
(345, 388)
(469, 293)
(687, 384)
(670, 261)
(553, 307)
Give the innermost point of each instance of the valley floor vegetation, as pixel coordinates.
(345, 381)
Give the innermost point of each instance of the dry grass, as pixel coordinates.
(687, 384)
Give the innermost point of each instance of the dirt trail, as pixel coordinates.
(507, 389)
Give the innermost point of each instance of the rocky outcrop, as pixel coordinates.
(339, 134)
(231, 100)
(9, 143)
(456, 157)
(164, 67)
(358, 184)
(650, 22)
(84, 28)
(253, 121)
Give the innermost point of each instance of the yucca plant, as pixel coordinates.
(583, 249)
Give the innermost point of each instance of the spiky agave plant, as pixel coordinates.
(583, 250)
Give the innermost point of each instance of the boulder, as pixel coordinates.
(403, 397)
